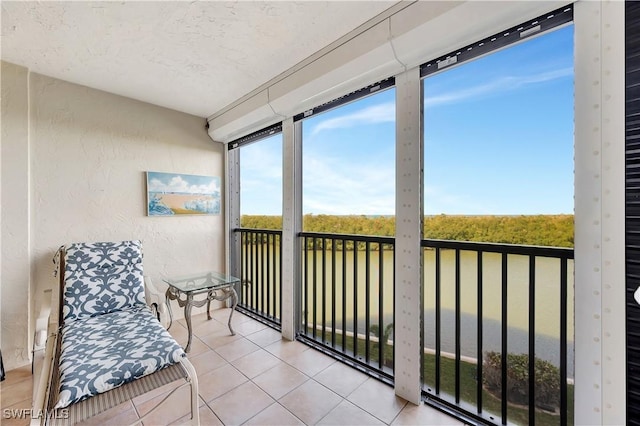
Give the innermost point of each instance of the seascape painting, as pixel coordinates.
(170, 194)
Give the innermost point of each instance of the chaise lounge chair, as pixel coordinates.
(104, 344)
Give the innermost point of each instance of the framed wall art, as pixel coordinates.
(171, 194)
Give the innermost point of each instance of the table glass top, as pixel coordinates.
(201, 281)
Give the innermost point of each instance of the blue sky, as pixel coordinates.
(498, 139)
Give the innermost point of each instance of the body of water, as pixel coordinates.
(547, 293)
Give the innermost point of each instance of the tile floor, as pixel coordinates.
(255, 378)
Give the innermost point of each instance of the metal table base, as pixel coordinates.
(220, 294)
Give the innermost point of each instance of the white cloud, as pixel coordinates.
(212, 188)
(382, 113)
(337, 186)
(386, 112)
(502, 84)
(261, 162)
(261, 178)
(180, 185)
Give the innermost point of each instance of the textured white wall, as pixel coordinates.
(88, 153)
(15, 275)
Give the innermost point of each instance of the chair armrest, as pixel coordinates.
(43, 320)
(155, 298)
(43, 351)
(152, 294)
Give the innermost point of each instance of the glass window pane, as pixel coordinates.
(349, 159)
(261, 183)
(498, 167)
(498, 132)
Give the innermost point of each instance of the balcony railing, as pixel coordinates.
(260, 274)
(488, 310)
(347, 298)
(503, 306)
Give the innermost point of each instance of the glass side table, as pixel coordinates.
(213, 285)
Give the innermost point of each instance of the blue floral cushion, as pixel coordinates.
(102, 277)
(100, 255)
(107, 351)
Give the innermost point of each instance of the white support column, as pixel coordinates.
(408, 257)
(232, 209)
(599, 214)
(291, 223)
(588, 208)
(613, 213)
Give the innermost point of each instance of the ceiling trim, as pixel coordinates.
(339, 42)
(413, 35)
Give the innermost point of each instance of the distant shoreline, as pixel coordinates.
(539, 230)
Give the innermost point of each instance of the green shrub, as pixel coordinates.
(547, 378)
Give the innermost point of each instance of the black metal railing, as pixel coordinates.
(347, 298)
(496, 317)
(506, 307)
(260, 274)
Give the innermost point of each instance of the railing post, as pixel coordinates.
(291, 224)
(408, 268)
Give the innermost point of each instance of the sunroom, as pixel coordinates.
(336, 139)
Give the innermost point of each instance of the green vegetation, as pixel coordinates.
(516, 413)
(538, 230)
(547, 383)
(261, 222)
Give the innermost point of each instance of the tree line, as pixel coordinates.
(539, 230)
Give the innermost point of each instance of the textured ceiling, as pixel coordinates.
(195, 57)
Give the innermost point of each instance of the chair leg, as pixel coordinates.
(192, 382)
(193, 379)
(155, 407)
